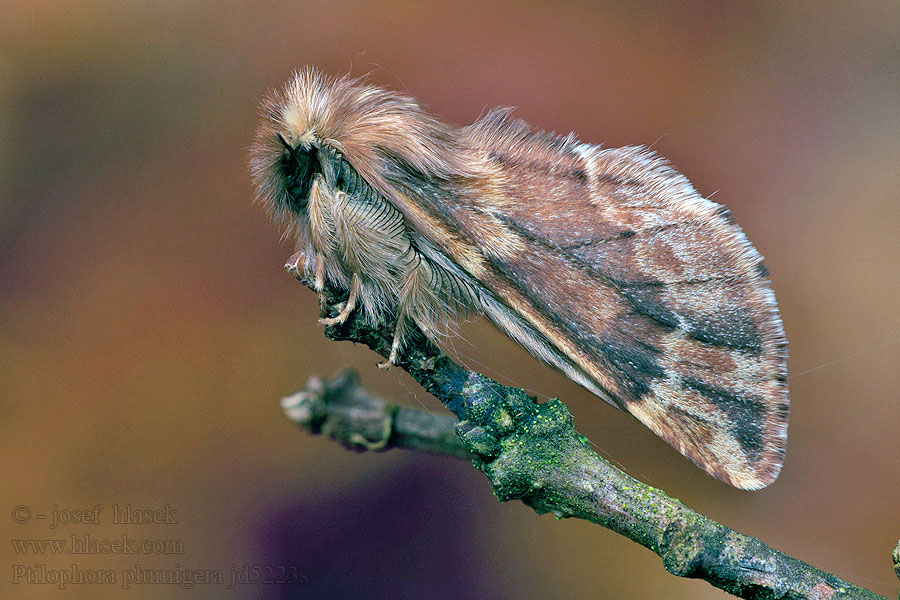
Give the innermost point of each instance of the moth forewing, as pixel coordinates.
(604, 263)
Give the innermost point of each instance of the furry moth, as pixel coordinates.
(603, 262)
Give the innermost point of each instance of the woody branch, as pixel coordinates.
(532, 453)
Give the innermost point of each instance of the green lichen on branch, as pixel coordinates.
(531, 452)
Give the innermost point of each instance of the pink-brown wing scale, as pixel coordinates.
(653, 291)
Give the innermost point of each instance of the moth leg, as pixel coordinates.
(400, 331)
(419, 304)
(320, 282)
(394, 356)
(348, 307)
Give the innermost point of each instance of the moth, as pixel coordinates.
(603, 262)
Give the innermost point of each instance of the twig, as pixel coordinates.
(531, 452)
(346, 412)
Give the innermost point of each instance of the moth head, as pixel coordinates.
(298, 166)
(285, 156)
(373, 129)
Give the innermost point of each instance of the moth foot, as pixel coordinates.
(394, 356)
(346, 307)
(342, 317)
(297, 266)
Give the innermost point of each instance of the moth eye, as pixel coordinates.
(299, 166)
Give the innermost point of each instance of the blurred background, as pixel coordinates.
(147, 330)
